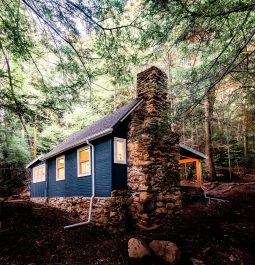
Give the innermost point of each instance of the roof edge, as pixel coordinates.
(39, 158)
(188, 148)
(98, 135)
(130, 111)
(92, 137)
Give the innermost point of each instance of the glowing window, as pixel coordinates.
(60, 169)
(119, 150)
(39, 173)
(83, 158)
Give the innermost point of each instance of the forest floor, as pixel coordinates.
(214, 232)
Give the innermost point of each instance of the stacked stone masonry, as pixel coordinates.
(110, 212)
(153, 153)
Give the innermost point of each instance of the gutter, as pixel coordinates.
(92, 137)
(93, 192)
(192, 150)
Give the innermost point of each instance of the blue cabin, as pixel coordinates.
(97, 152)
(93, 161)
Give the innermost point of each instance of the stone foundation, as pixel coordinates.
(110, 212)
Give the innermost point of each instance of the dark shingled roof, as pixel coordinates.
(39, 158)
(96, 130)
(191, 152)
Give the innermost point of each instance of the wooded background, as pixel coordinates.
(65, 64)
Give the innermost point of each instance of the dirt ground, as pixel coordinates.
(214, 232)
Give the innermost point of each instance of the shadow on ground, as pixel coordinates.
(216, 233)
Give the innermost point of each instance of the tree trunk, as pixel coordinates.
(183, 131)
(208, 106)
(2, 114)
(170, 91)
(245, 135)
(17, 103)
(35, 136)
(193, 131)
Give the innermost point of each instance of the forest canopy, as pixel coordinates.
(65, 64)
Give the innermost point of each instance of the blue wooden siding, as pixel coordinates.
(73, 185)
(103, 167)
(37, 189)
(108, 175)
(119, 175)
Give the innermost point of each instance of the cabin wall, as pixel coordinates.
(119, 171)
(73, 185)
(103, 167)
(37, 189)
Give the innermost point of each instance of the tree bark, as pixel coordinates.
(17, 104)
(245, 134)
(2, 114)
(169, 65)
(193, 139)
(35, 136)
(208, 107)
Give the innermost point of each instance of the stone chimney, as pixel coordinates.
(153, 153)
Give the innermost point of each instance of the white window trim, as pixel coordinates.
(116, 160)
(78, 161)
(60, 157)
(43, 179)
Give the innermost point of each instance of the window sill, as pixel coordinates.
(120, 162)
(34, 182)
(60, 179)
(84, 175)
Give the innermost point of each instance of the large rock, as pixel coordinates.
(194, 261)
(137, 249)
(166, 250)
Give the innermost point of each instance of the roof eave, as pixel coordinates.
(98, 135)
(131, 110)
(92, 137)
(190, 149)
(39, 158)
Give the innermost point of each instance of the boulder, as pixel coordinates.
(137, 249)
(232, 258)
(194, 261)
(166, 250)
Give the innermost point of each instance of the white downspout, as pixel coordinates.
(212, 198)
(93, 191)
(46, 181)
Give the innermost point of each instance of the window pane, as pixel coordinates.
(84, 155)
(61, 173)
(87, 166)
(39, 174)
(35, 174)
(120, 155)
(84, 167)
(43, 172)
(61, 163)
